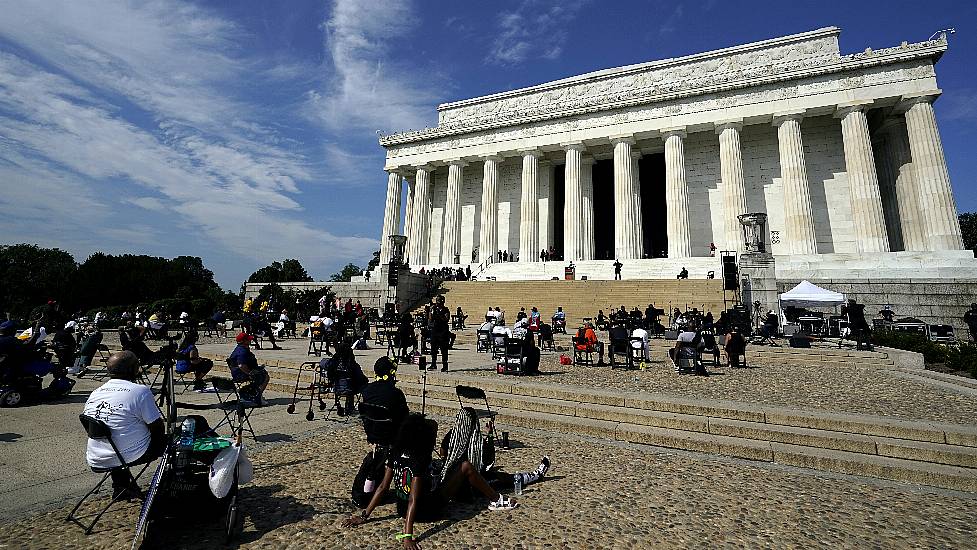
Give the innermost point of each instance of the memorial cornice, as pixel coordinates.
(752, 65)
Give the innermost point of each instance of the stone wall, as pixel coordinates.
(934, 301)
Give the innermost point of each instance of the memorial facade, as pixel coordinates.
(841, 151)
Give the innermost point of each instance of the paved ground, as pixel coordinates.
(597, 496)
(852, 389)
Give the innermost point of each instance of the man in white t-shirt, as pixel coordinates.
(133, 418)
(643, 344)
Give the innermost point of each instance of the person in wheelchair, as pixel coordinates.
(345, 377)
(244, 368)
(129, 410)
(423, 487)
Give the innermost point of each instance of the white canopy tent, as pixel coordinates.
(808, 294)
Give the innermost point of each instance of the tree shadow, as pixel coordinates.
(273, 438)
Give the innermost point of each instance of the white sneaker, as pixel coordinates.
(504, 503)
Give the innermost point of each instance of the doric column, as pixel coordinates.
(547, 215)
(907, 193)
(939, 210)
(798, 216)
(421, 220)
(529, 208)
(452, 214)
(886, 170)
(627, 226)
(391, 214)
(639, 236)
(734, 187)
(676, 195)
(489, 231)
(411, 178)
(572, 209)
(863, 181)
(587, 245)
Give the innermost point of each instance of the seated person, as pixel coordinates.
(133, 340)
(522, 314)
(601, 320)
(345, 376)
(383, 392)
(519, 329)
(487, 326)
(587, 341)
(499, 316)
(545, 334)
(261, 326)
(423, 490)
(188, 360)
(87, 351)
(735, 347)
(684, 274)
(530, 354)
(459, 320)
(130, 412)
(559, 315)
(244, 368)
(769, 327)
(643, 344)
(500, 333)
(685, 344)
(619, 339)
(465, 441)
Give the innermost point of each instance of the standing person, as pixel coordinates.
(617, 270)
(971, 319)
(440, 334)
(405, 334)
(712, 249)
(135, 422)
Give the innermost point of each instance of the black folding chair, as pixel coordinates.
(97, 429)
(381, 429)
(237, 413)
(583, 356)
(512, 361)
(484, 342)
(498, 346)
(487, 414)
(546, 337)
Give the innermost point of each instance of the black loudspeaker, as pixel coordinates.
(730, 275)
(729, 259)
(393, 272)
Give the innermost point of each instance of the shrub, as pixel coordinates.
(932, 352)
(963, 358)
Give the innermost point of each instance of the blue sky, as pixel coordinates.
(244, 132)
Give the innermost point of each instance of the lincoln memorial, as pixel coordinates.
(657, 160)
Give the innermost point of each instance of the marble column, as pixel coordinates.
(391, 215)
(886, 170)
(734, 186)
(627, 221)
(488, 243)
(798, 215)
(421, 220)
(587, 245)
(907, 193)
(529, 207)
(547, 216)
(572, 210)
(411, 178)
(676, 195)
(452, 214)
(639, 235)
(863, 181)
(936, 203)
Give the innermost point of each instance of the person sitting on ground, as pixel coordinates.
(244, 367)
(133, 418)
(188, 360)
(423, 492)
(465, 441)
(684, 274)
(587, 341)
(735, 347)
(345, 377)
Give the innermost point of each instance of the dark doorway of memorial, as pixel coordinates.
(653, 211)
(604, 219)
(559, 200)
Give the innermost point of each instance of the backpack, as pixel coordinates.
(369, 476)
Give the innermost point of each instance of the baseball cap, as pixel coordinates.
(243, 337)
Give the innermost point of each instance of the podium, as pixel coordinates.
(569, 273)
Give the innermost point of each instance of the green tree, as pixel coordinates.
(374, 262)
(31, 275)
(288, 271)
(346, 273)
(968, 227)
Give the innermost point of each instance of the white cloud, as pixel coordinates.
(534, 30)
(368, 90)
(147, 98)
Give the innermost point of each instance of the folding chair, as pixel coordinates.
(318, 341)
(484, 342)
(381, 432)
(236, 413)
(498, 346)
(228, 328)
(710, 348)
(475, 394)
(583, 356)
(97, 429)
(636, 353)
(512, 360)
(620, 344)
(686, 365)
(546, 338)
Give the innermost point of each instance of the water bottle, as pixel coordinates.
(517, 484)
(184, 445)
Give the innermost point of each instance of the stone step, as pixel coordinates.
(896, 469)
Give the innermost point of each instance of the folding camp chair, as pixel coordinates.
(512, 361)
(487, 414)
(237, 413)
(97, 429)
(484, 342)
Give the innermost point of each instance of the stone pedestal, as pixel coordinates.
(758, 282)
